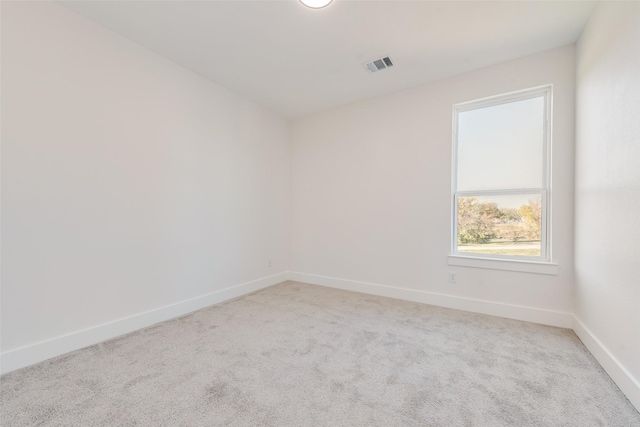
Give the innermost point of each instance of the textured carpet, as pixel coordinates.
(302, 355)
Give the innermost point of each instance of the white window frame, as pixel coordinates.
(503, 261)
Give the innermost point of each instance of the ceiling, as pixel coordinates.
(297, 61)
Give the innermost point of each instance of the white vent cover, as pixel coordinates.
(378, 64)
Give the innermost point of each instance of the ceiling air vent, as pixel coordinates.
(378, 64)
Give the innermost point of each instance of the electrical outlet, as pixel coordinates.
(452, 277)
(269, 264)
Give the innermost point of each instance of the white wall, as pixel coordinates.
(128, 183)
(371, 194)
(607, 302)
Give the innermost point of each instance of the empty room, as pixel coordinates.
(320, 213)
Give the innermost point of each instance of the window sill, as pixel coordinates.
(503, 264)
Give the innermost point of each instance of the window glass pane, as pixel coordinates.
(501, 147)
(500, 225)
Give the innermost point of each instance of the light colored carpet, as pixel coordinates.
(303, 355)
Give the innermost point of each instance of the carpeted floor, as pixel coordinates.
(303, 355)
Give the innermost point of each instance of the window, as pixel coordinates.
(500, 177)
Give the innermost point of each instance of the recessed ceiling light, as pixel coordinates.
(316, 4)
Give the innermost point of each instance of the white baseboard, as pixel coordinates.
(629, 385)
(43, 350)
(528, 314)
(38, 352)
